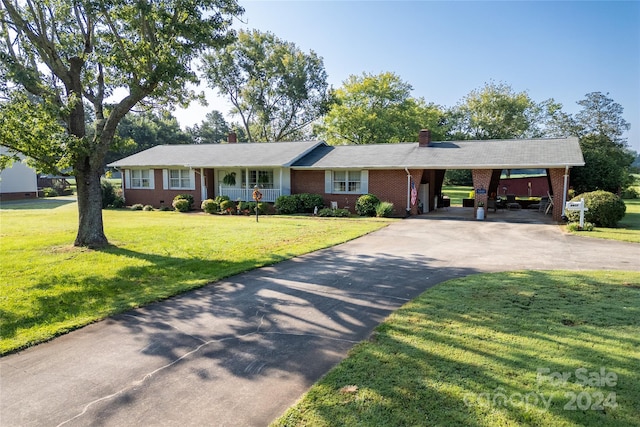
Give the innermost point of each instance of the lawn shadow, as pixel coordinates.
(38, 204)
(425, 361)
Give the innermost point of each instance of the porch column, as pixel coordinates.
(556, 177)
(481, 179)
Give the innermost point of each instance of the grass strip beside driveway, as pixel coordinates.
(50, 287)
(519, 348)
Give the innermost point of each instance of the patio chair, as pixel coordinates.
(550, 205)
(511, 202)
(542, 206)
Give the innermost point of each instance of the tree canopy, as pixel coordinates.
(212, 130)
(374, 109)
(56, 53)
(601, 127)
(275, 88)
(496, 111)
(139, 131)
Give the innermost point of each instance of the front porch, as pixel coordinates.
(246, 194)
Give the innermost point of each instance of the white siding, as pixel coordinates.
(19, 178)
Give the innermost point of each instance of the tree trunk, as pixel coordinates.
(90, 226)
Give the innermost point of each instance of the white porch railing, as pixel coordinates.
(246, 194)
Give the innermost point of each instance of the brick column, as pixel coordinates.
(481, 179)
(557, 188)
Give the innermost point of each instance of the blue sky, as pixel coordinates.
(550, 49)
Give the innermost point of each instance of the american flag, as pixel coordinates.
(414, 193)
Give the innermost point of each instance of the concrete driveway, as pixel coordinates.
(241, 351)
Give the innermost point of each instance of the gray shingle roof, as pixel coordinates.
(220, 155)
(490, 154)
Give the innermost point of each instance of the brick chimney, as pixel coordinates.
(232, 138)
(424, 139)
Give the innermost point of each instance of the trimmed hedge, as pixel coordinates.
(298, 203)
(210, 206)
(605, 208)
(366, 205)
(187, 197)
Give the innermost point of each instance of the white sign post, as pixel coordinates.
(577, 206)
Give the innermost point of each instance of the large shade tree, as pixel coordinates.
(378, 109)
(57, 53)
(214, 129)
(276, 89)
(496, 111)
(601, 128)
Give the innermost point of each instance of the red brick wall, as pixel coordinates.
(557, 185)
(307, 182)
(159, 197)
(481, 179)
(18, 196)
(387, 185)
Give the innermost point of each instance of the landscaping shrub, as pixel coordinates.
(630, 193)
(384, 209)
(366, 205)
(249, 208)
(287, 204)
(308, 202)
(575, 226)
(340, 213)
(118, 202)
(226, 206)
(187, 197)
(298, 203)
(147, 208)
(181, 205)
(137, 207)
(108, 193)
(49, 192)
(220, 199)
(605, 208)
(210, 206)
(165, 208)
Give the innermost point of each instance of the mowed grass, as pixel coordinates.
(50, 287)
(628, 229)
(493, 350)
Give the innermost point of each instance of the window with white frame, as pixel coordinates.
(180, 179)
(140, 178)
(346, 181)
(261, 178)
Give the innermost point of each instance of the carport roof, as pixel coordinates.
(489, 154)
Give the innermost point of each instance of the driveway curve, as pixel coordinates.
(239, 352)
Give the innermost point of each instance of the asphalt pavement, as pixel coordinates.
(239, 352)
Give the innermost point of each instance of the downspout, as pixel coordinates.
(122, 178)
(408, 191)
(564, 191)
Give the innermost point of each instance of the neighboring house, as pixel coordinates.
(397, 173)
(18, 181)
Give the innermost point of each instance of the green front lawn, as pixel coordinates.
(50, 287)
(628, 229)
(505, 349)
(456, 193)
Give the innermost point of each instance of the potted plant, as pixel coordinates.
(229, 179)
